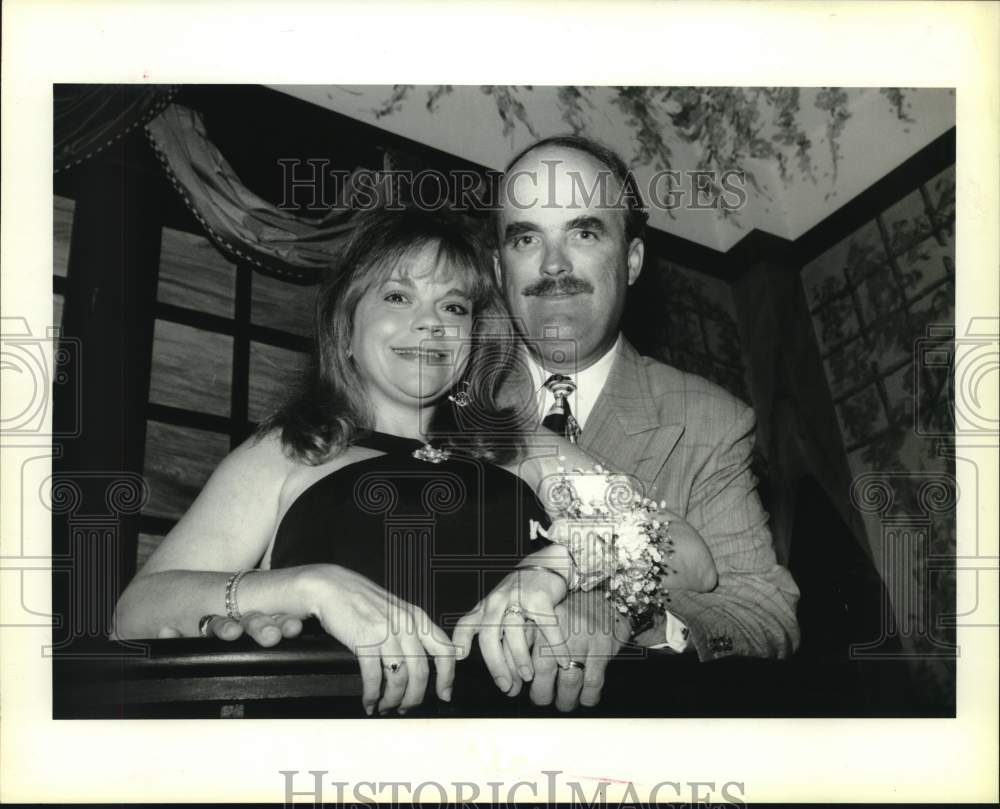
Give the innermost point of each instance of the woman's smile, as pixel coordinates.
(411, 335)
(431, 356)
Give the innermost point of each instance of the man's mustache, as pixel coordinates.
(560, 285)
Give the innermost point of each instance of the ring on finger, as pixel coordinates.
(575, 664)
(395, 666)
(203, 625)
(514, 609)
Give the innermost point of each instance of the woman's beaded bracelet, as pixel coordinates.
(232, 603)
(547, 570)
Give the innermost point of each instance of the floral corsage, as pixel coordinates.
(613, 538)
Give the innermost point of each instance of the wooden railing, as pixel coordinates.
(314, 676)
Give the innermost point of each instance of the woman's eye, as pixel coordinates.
(456, 309)
(395, 297)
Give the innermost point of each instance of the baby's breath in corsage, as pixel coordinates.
(614, 537)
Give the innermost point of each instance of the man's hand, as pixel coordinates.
(691, 566)
(595, 632)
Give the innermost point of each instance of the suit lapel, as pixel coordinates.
(624, 429)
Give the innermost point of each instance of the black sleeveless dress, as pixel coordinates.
(438, 535)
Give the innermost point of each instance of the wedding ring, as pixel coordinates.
(394, 667)
(513, 609)
(576, 664)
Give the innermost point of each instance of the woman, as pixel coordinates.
(375, 500)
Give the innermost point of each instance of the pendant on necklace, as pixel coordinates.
(431, 454)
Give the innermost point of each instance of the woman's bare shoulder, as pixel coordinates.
(301, 476)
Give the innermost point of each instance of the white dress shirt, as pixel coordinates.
(589, 384)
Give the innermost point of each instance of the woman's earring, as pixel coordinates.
(462, 398)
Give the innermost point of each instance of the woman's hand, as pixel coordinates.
(390, 637)
(525, 595)
(267, 630)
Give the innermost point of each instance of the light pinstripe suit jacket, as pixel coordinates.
(689, 442)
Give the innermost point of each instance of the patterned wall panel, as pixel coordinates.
(687, 319)
(872, 297)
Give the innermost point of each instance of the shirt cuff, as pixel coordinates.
(676, 634)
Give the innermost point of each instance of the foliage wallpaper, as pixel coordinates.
(687, 319)
(876, 298)
(727, 124)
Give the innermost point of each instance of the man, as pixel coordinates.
(569, 246)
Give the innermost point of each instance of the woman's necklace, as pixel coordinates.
(431, 454)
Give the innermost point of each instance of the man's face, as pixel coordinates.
(563, 262)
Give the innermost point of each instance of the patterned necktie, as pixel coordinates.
(560, 419)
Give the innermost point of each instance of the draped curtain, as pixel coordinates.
(295, 248)
(89, 117)
(241, 223)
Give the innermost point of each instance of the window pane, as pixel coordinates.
(62, 229)
(848, 367)
(194, 274)
(925, 265)
(936, 308)
(836, 322)
(861, 416)
(855, 257)
(280, 305)
(192, 368)
(942, 193)
(892, 341)
(879, 295)
(899, 393)
(178, 462)
(907, 223)
(272, 370)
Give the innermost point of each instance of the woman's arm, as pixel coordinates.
(226, 529)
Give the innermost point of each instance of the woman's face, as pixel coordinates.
(411, 337)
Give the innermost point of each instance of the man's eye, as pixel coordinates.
(586, 235)
(522, 241)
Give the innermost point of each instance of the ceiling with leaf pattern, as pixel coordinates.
(804, 151)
